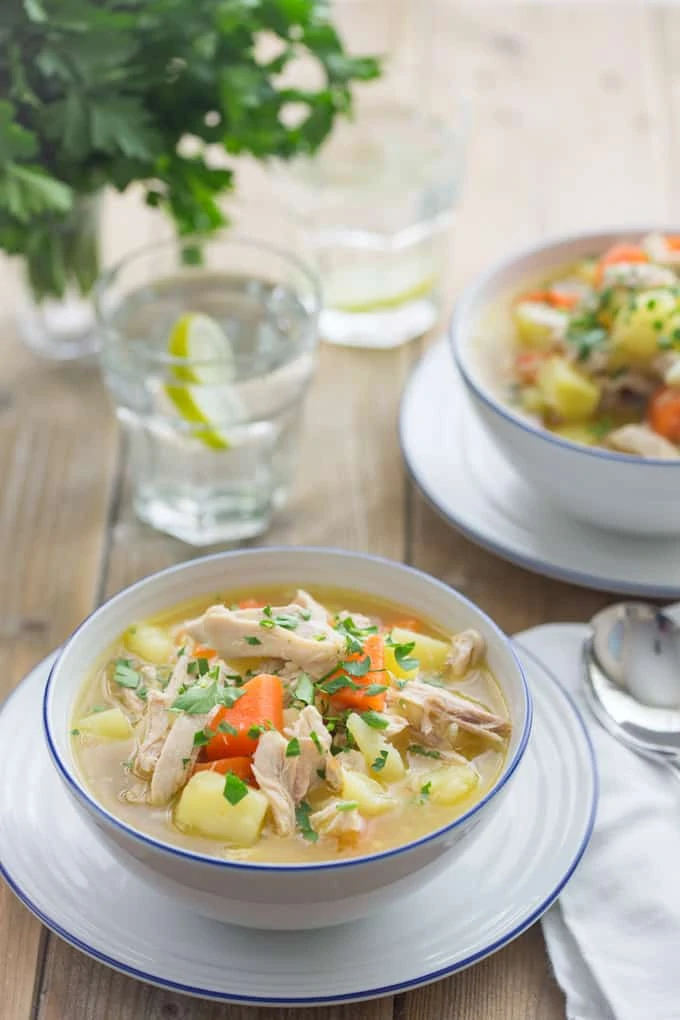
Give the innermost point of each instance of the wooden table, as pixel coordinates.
(574, 109)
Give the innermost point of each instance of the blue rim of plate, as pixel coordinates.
(364, 994)
(536, 566)
(85, 797)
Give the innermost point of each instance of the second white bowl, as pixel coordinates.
(611, 490)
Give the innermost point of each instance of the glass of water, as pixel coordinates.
(377, 201)
(208, 349)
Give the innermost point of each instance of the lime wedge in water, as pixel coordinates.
(204, 394)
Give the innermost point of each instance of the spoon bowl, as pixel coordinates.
(632, 678)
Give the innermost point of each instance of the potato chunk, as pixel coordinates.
(374, 748)
(369, 796)
(204, 810)
(110, 725)
(151, 643)
(449, 784)
(639, 325)
(566, 391)
(538, 325)
(430, 652)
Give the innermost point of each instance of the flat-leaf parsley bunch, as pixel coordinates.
(101, 92)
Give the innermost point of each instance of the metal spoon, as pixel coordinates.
(632, 679)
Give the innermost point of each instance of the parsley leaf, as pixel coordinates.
(358, 667)
(225, 727)
(379, 762)
(234, 788)
(75, 733)
(375, 720)
(201, 738)
(304, 689)
(346, 805)
(255, 731)
(199, 698)
(253, 641)
(302, 813)
(425, 790)
(339, 683)
(427, 752)
(125, 675)
(314, 737)
(403, 658)
(293, 748)
(371, 689)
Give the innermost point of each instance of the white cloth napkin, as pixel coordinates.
(614, 935)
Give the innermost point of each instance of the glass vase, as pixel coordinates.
(55, 315)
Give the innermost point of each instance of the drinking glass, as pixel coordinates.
(208, 347)
(378, 199)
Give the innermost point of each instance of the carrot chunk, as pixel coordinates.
(354, 697)
(241, 767)
(664, 413)
(260, 705)
(555, 298)
(204, 652)
(251, 604)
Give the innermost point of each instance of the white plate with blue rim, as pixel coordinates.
(469, 482)
(494, 891)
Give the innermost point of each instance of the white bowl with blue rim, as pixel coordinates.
(611, 490)
(281, 896)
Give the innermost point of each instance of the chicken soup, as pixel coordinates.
(289, 726)
(592, 352)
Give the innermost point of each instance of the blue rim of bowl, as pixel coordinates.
(542, 567)
(459, 340)
(83, 795)
(369, 993)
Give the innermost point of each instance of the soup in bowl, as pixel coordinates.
(286, 738)
(571, 355)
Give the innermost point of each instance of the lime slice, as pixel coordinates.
(418, 290)
(206, 396)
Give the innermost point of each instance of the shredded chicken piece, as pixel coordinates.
(311, 644)
(344, 825)
(137, 794)
(286, 780)
(177, 757)
(642, 442)
(154, 729)
(396, 724)
(638, 275)
(467, 650)
(434, 710)
(620, 391)
(335, 763)
(307, 602)
(359, 620)
(269, 766)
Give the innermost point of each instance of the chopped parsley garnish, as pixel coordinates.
(305, 614)
(253, 641)
(185, 761)
(338, 684)
(379, 762)
(225, 727)
(234, 788)
(125, 674)
(201, 738)
(142, 693)
(285, 620)
(585, 334)
(658, 325)
(664, 343)
(347, 805)
(304, 689)
(319, 637)
(425, 790)
(358, 667)
(375, 720)
(599, 429)
(302, 813)
(255, 731)
(199, 667)
(314, 737)
(75, 733)
(293, 748)
(199, 698)
(100, 708)
(371, 689)
(427, 752)
(403, 657)
(321, 773)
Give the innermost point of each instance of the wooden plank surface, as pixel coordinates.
(573, 114)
